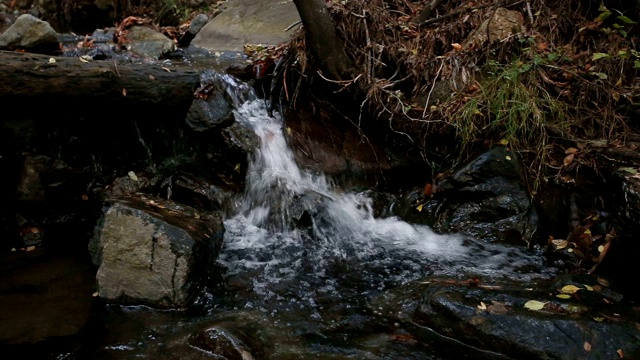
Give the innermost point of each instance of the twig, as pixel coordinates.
(459, 12)
(426, 104)
(369, 64)
(293, 25)
(529, 11)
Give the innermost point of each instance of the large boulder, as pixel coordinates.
(147, 42)
(154, 252)
(31, 34)
(248, 22)
(487, 199)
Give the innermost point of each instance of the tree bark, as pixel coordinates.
(30, 79)
(323, 38)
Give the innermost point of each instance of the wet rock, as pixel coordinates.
(486, 199)
(31, 34)
(194, 28)
(221, 343)
(494, 317)
(154, 252)
(147, 42)
(215, 100)
(196, 191)
(241, 139)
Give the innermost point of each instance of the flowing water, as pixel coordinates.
(310, 259)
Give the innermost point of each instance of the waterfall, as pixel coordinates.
(340, 233)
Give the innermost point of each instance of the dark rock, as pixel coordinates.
(486, 199)
(240, 139)
(221, 343)
(196, 191)
(196, 25)
(147, 42)
(215, 99)
(493, 317)
(154, 252)
(30, 33)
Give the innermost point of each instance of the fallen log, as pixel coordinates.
(32, 78)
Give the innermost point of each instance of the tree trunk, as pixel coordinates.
(28, 80)
(322, 36)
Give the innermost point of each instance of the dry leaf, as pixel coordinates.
(571, 150)
(30, 248)
(620, 353)
(456, 46)
(124, 92)
(133, 176)
(166, 69)
(587, 346)
(52, 61)
(151, 77)
(568, 159)
(534, 305)
(482, 306)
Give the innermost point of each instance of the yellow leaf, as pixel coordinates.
(132, 176)
(52, 61)
(587, 232)
(419, 208)
(564, 296)
(587, 346)
(615, 96)
(560, 243)
(598, 318)
(508, 157)
(237, 167)
(588, 287)
(534, 305)
(601, 248)
(504, 142)
(482, 306)
(569, 289)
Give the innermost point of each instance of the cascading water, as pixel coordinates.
(339, 242)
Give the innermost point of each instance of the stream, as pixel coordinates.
(302, 263)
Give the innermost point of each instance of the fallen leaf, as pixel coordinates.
(133, 176)
(629, 170)
(95, 294)
(151, 77)
(166, 69)
(620, 353)
(508, 157)
(497, 308)
(504, 142)
(30, 248)
(569, 289)
(419, 207)
(85, 197)
(85, 58)
(534, 305)
(52, 61)
(564, 296)
(587, 346)
(456, 46)
(482, 306)
(560, 243)
(124, 92)
(598, 318)
(571, 150)
(587, 287)
(568, 159)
